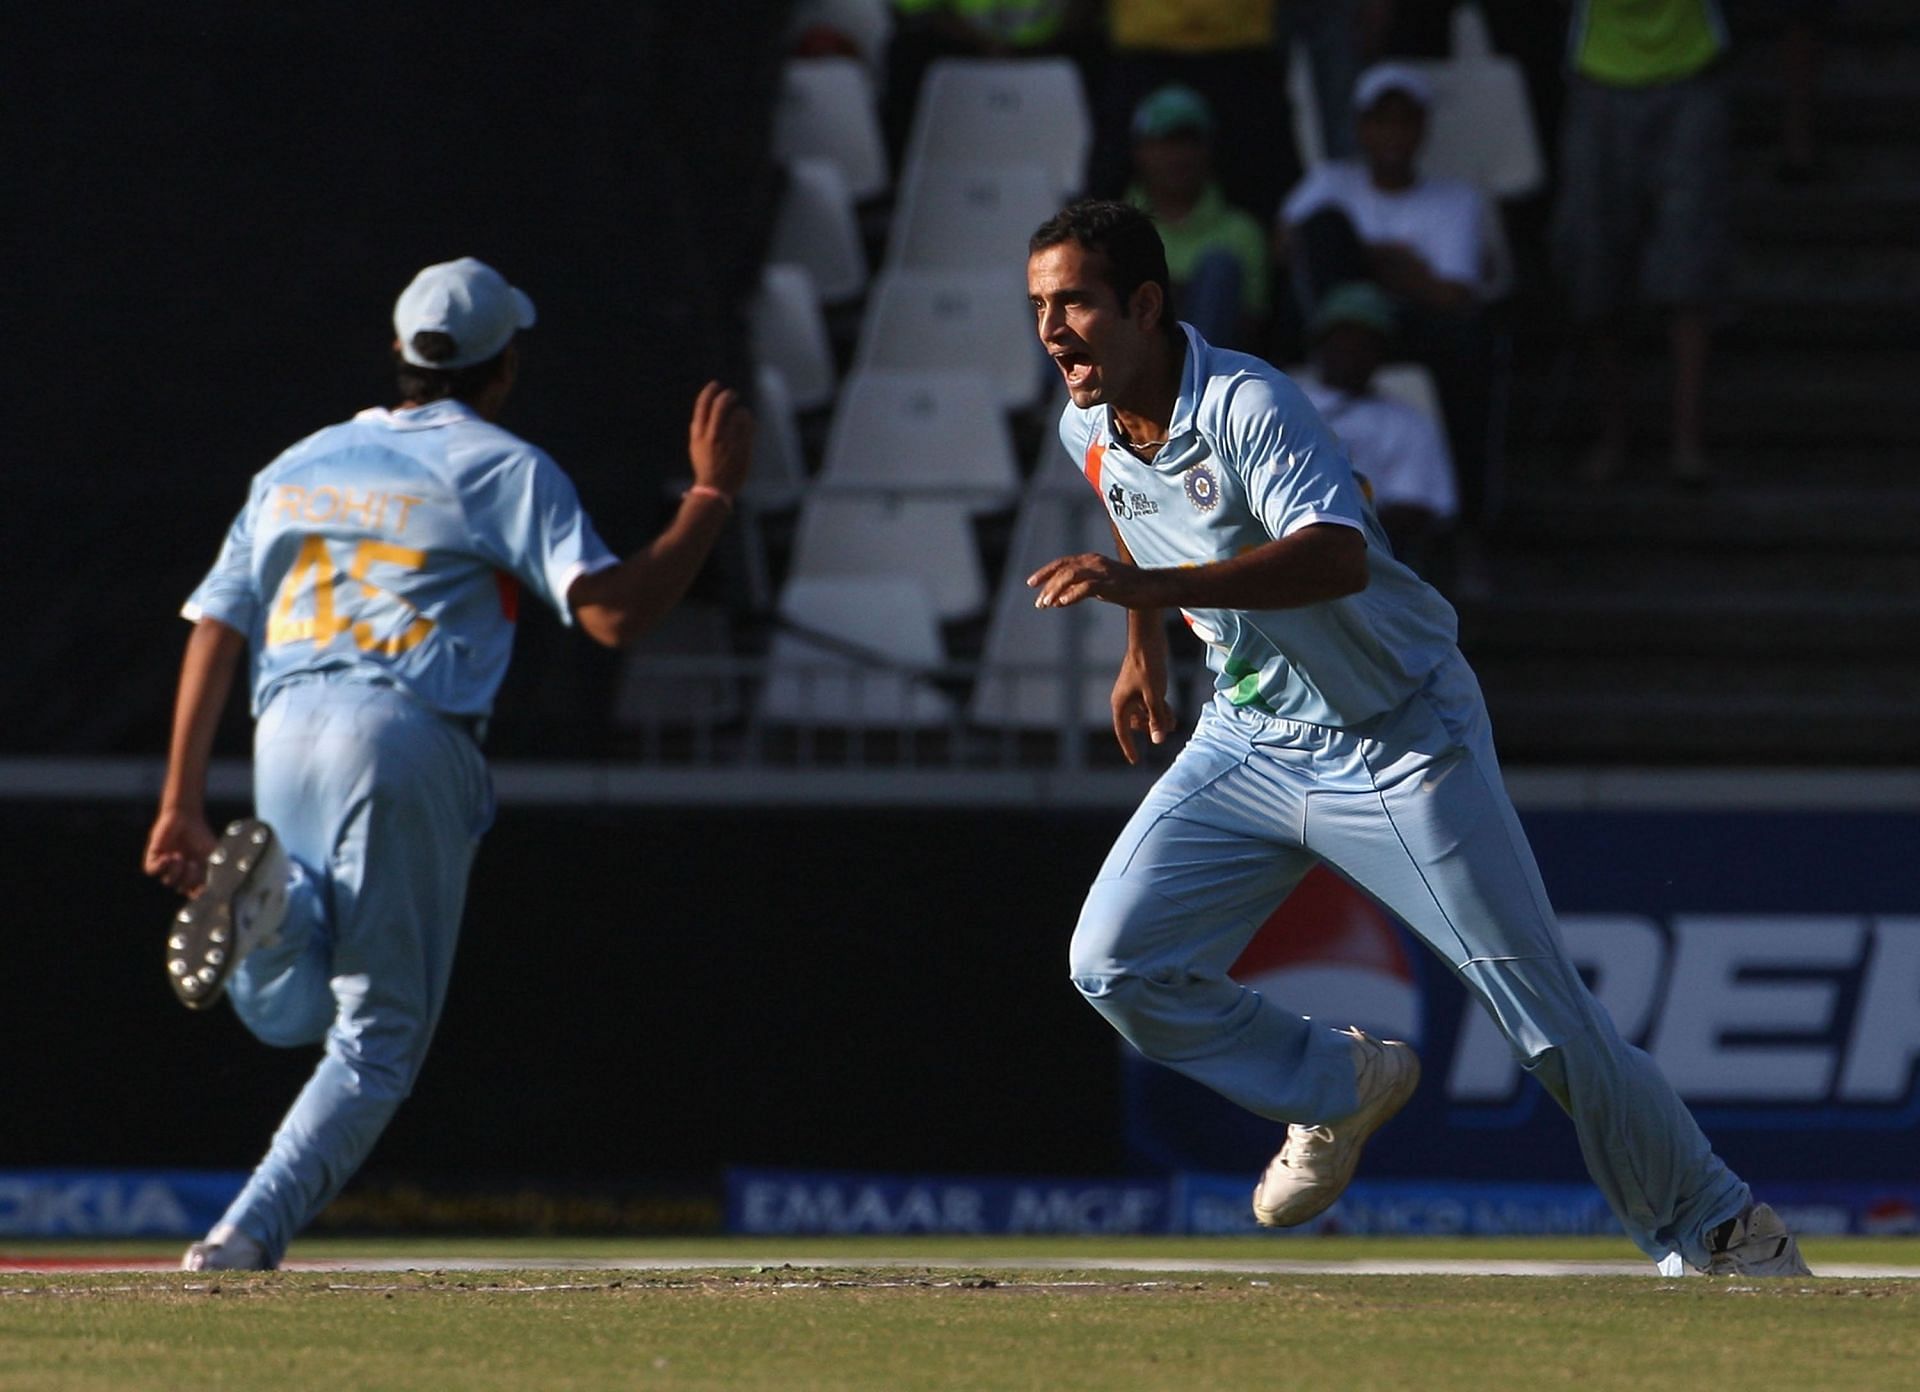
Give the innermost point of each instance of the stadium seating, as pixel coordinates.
(825, 110)
(871, 535)
(1004, 111)
(968, 216)
(779, 474)
(678, 673)
(924, 432)
(851, 652)
(866, 24)
(1482, 128)
(815, 227)
(789, 333)
(1409, 383)
(1031, 653)
(957, 321)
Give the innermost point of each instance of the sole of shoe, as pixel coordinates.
(203, 943)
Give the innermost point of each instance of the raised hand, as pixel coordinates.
(720, 439)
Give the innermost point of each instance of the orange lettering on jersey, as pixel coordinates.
(365, 509)
(319, 511)
(367, 555)
(406, 506)
(288, 501)
(1096, 455)
(312, 570)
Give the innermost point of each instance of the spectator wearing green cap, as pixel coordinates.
(1401, 452)
(1216, 253)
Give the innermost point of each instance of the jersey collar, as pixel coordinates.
(428, 417)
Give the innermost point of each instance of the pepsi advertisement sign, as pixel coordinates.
(1768, 962)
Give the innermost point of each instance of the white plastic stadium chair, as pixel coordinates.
(778, 478)
(939, 433)
(955, 216)
(1467, 35)
(957, 321)
(678, 672)
(1482, 128)
(789, 333)
(1411, 384)
(1031, 654)
(867, 23)
(825, 110)
(996, 111)
(815, 227)
(851, 654)
(843, 535)
(1308, 138)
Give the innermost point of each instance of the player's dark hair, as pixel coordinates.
(423, 384)
(1127, 243)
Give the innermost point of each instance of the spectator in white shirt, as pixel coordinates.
(1400, 451)
(1429, 243)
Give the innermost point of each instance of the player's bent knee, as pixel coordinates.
(1148, 1013)
(1114, 920)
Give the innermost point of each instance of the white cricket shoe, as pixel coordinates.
(1756, 1243)
(226, 1249)
(241, 907)
(1314, 1166)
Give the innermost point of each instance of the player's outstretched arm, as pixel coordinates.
(618, 604)
(181, 840)
(1317, 563)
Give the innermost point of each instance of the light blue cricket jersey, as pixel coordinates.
(396, 543)
(1248, 460)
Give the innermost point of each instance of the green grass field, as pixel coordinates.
(854, 1321)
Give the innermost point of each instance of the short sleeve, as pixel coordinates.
(526, 518)
(228, 593)
(1293, 467)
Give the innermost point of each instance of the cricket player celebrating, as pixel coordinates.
(374, 574)
(1345, 728)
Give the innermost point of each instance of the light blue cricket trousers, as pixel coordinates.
(1411, 808)
(380, 804)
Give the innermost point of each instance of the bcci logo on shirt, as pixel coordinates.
(1203, 489)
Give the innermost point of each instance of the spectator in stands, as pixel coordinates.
(1400, 451)
(927, 30)
(1642, 213)
(1224, 49)
(1216, 252)
(1430, 243)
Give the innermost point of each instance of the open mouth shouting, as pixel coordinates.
(1076, 365)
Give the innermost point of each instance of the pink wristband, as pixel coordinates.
(707, 490)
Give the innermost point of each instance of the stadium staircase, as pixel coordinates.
(1773, 618)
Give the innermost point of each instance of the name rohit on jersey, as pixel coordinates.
(373, 510)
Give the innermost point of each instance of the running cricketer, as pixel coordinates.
(1345, 728)
(374, 577)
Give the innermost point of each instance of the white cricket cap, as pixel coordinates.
(468, 301)
(1383, 78)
